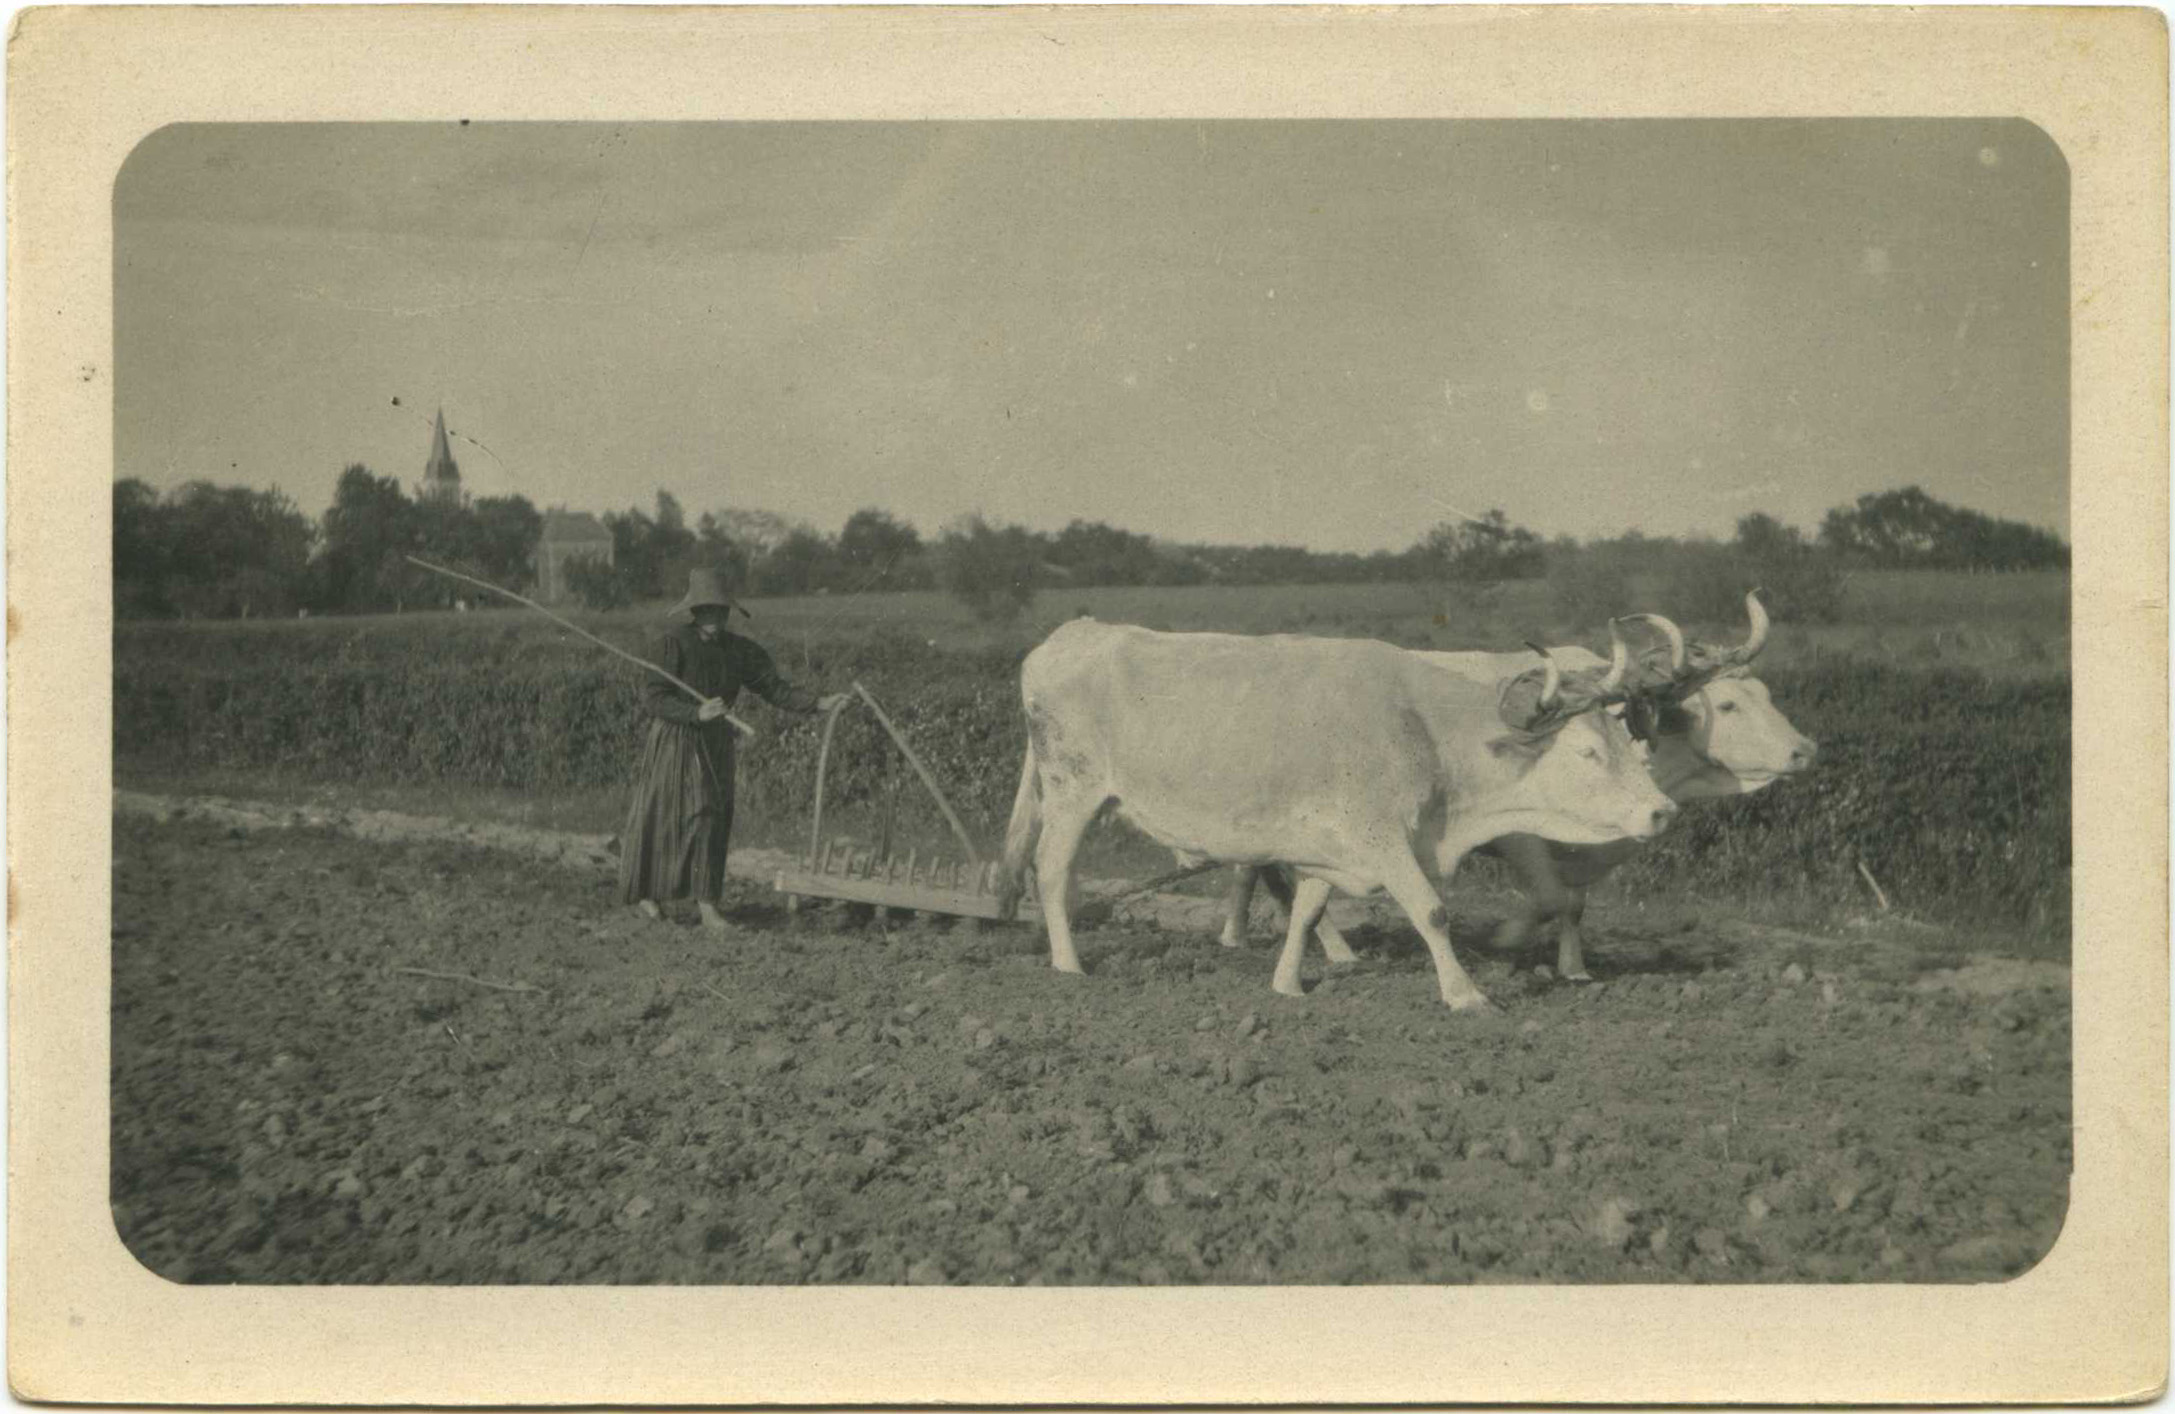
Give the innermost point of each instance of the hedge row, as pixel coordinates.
(1951, 789)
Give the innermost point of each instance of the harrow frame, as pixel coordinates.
(968, 888)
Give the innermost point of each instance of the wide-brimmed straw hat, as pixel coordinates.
(702, 588)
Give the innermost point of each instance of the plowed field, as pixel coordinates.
(826, 1099)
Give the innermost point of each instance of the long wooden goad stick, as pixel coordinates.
(577, 628)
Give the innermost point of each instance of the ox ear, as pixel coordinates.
(1674, 719)
(1528, 701)
(1707, 663)
(1520, 746)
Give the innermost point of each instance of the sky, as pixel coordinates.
(1329, 333)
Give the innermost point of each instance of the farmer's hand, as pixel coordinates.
(832, 703)
(711, 709)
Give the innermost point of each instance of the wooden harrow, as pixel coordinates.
(967, 888)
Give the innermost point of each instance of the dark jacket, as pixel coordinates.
(718, 668)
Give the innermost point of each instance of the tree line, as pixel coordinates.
(207, 551)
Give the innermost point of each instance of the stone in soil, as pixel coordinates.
(1612, 1223)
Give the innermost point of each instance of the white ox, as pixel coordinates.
(1360, 765)
(1718, 733)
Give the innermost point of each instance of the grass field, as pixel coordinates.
(2004, 625)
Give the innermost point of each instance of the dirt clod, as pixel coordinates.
(1612, 1223)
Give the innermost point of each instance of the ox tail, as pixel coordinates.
(1020, 835)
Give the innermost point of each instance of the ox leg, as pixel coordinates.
(1333, 945)
(1241, 904)
(1307, 903)
(1557, 902)
(1514, 932)
(1063, 823)
(1547, 897)
(1415, 894)
(1527, 856)
(1570, 944)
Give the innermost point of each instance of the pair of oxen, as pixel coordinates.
(1319, 764)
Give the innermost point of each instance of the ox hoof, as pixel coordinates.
(1227, 942)
(1579, 976)
(1287, 989)
(1474, 1003)
(1073, 969)
(648, 909)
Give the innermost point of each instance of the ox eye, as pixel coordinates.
(1591, 753)
(1726, 707)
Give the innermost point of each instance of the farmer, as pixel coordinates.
(681, 817)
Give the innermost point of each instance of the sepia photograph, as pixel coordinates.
(706, 702)
(1183, 707)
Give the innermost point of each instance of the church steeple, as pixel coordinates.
(442, 476)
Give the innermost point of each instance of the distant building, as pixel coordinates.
(568, 536)
(442, 476)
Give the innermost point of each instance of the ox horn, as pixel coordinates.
(1675, 635)
(1757, 638)
(1552, 679)
(1619, 659)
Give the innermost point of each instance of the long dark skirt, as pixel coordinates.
(681, 817)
